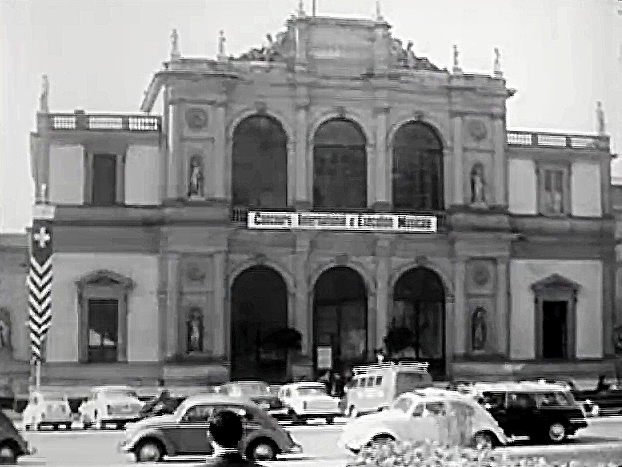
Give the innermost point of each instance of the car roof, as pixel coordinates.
(525, 386)
(113, 388)
(245, 383)
(214, 398)
(434, 394)
(312, 384)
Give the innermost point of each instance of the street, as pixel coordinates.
(601, 441)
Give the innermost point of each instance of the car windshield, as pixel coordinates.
(402, 404)
(54, 398)
(555, 399)
(116, 393)
(406, 382)
(254, 389)
(311, 390)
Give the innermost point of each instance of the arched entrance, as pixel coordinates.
(340, 317)
(258, 308)
(419, 305)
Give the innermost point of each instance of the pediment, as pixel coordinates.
(555, 281)
(104, 277)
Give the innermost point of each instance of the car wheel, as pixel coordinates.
(120, 426)
(149, 451)
(262, 450)
(556, 432)
(86, 423)
(483, 440)
(99, 424)
(330, 420)
(8, 454)
(296, 420)
(56, 426)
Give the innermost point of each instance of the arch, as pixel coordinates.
(368, 278)
(347, 114)
(250, 112)
(436, 125)
(447, 283)
(239, 268)
(340, 159)
(259, 162)
(417, 168)
(259, 305)
(418, 304)
(340, 317)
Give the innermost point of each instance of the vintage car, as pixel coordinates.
(185, 431)
(114, 405)
(47, 409)
(416, 417)
(308, 400)
(260, 393)
(12, 444)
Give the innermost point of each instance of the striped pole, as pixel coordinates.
(39, 283)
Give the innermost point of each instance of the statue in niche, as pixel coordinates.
(478, 329)
(195, 330)
(478, 184)
(5, 329)
(195, 183)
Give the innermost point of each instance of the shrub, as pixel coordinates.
(403, 454)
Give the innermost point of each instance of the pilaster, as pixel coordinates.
(608, 304)
(459, 311)
(501, 325)
(301, 317)
(221, 332)
(383, 167)
(457, 161)
(500, 161)
(220, 167)
(172, 265)
(383, 252)
(302, 193)
(175, 152)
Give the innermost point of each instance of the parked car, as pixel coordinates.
(12, 444)
(116, 405)
(185, 431)
(541, 411)
(375, 387)
(49, 409)
(416, 417)
(260, 393)
(307, 400)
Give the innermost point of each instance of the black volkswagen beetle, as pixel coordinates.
(260, 393)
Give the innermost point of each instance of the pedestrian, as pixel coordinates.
(602, 385)
(225, 432)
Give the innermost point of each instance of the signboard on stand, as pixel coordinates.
(324, 358)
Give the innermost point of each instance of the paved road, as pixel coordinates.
(601, 441)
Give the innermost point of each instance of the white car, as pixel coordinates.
(47, 409)
(116, 405)
(309, 400)
(424, 416)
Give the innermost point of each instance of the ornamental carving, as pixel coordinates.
(196, 118)
(481, 275)
(478, 130)
(195, 274)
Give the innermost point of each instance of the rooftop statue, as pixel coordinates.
(175, 45)
(406, 58)
(600, 116)
(43, 98)
(497, 65)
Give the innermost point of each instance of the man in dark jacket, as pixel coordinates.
(163, 403)
(226, 430)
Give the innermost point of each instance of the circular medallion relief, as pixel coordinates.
(195, 274)
(478, 130)
(481, 275)
(196, 118)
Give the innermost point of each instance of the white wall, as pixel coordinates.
(522, 186)
(66, 182)
(585, 189)
(523, 273)
(143, 340)
(142, 175)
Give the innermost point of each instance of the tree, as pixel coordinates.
(287, 339)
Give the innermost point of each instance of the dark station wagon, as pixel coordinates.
(260, 393)
(541, 411)
(185, 431)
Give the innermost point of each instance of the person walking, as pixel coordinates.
(225, 431)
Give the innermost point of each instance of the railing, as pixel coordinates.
(96, 122)
(556, 140)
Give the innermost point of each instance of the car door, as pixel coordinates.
(423, 423)
(522, 416)
(190, 434)
(250, 421)
(495, 403)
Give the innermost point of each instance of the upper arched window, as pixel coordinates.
(339, 166)
(417, 168)
(259, 159)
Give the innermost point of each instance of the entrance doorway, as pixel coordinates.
(554, 329)
(340, 317)
(103, 328)
(419, 306)
(258, 308)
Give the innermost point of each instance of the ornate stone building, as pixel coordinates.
(335, 183)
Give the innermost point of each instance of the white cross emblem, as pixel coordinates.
(42, 237)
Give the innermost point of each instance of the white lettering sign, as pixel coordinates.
(339, 221)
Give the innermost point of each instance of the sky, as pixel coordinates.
(560, 55)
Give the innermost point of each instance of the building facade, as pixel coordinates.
(335, 183)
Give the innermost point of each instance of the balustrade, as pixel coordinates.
(557, 140)
(100, 122)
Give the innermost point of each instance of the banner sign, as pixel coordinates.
(342, 221)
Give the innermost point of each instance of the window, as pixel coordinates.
(403, 404)
(104, 180)
(418, 411)
(378, 380)
(492, 400)
(554, 197)
(198, 414)
(435, 408)
(103, 324)
(521, 401)
(370, 382)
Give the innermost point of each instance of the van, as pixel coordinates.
(374, 387)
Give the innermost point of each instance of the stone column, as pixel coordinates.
(382, 170)
(501, 323)
(219, 167)
(173, 261)
(175, 153)
(500, 161)
(301, 316)
(221, 331)
(449, 335)
(383, 252)
(460, 308)
(302, 198)
(457, 161)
